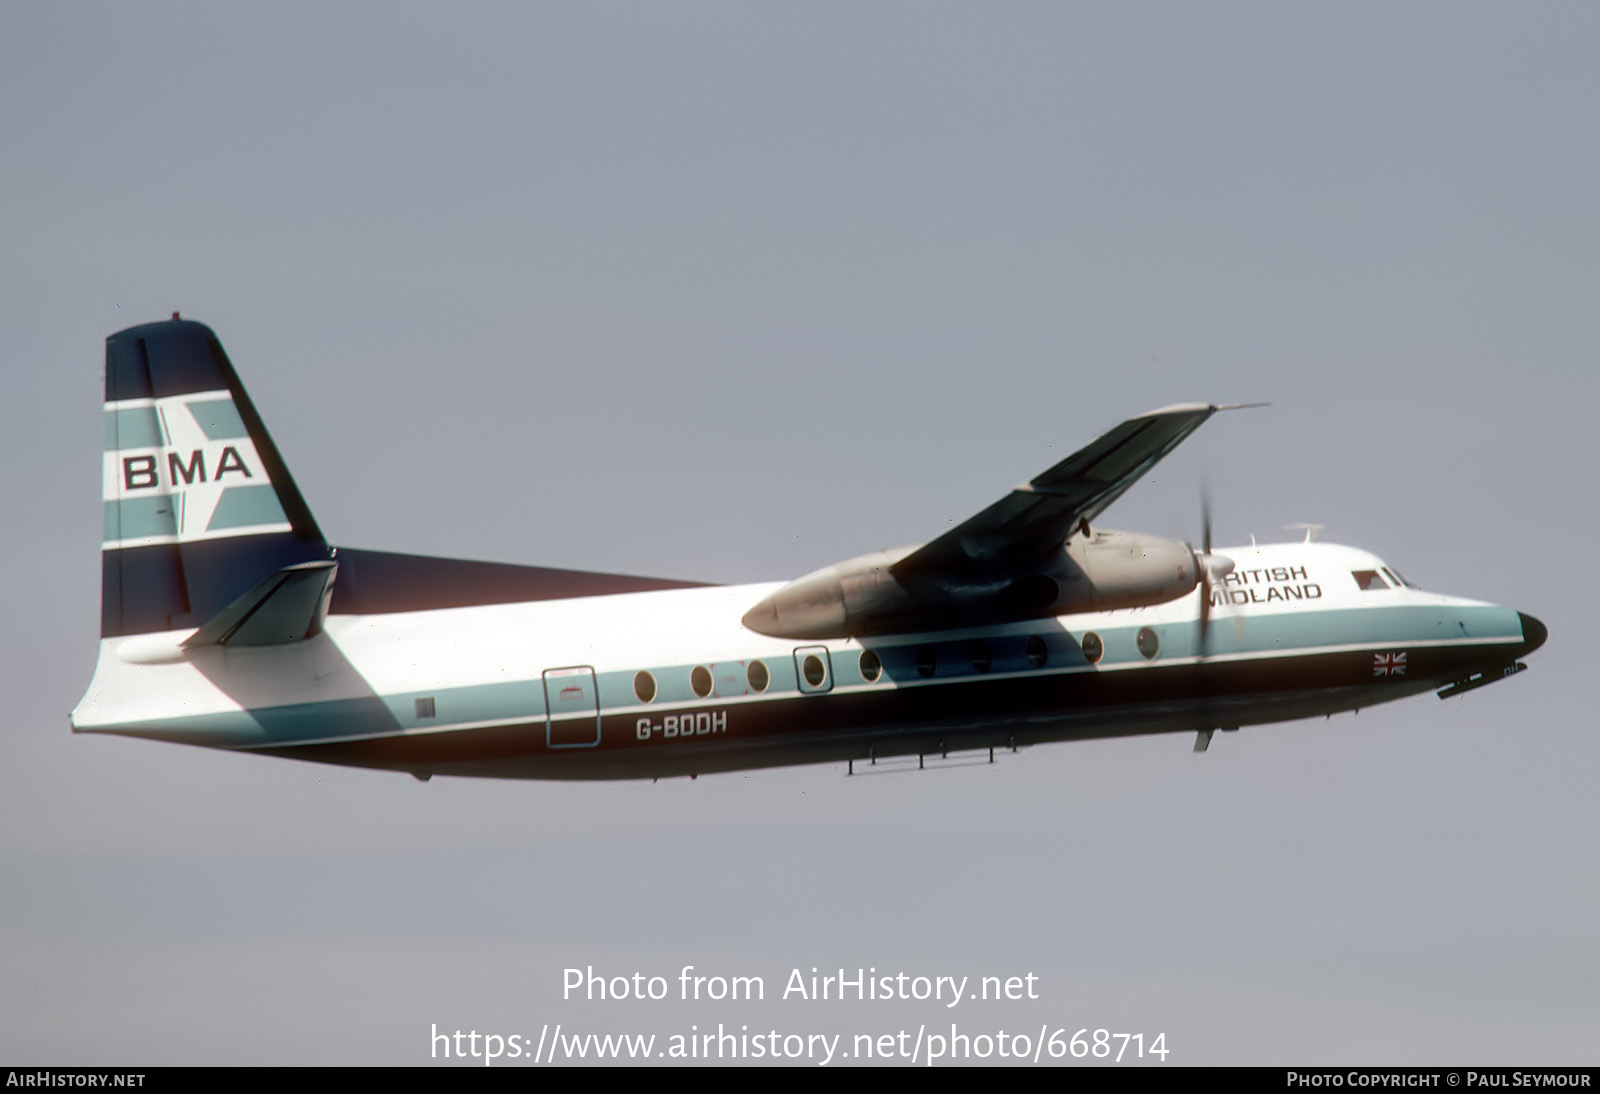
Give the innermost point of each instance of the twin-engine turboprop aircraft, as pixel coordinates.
(229, 621)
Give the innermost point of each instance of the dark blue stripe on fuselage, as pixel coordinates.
(374, 582)
(161, 587)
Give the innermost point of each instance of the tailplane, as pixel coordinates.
(199, 507)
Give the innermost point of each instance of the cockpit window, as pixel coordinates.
(1369, 580)
(1398, 578)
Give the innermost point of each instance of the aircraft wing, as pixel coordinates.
(1035, 520)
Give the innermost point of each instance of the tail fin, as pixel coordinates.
(199, 507)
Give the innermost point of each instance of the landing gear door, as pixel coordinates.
(572, 706)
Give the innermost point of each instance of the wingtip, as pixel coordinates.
(1197, 408)
(1178, 408)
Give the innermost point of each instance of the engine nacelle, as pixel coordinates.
(863, 596)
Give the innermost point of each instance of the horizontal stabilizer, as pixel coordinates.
(288, 606)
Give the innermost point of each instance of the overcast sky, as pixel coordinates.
(730, 292)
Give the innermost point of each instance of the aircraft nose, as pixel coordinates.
(1533, 632)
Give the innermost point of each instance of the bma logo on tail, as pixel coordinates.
(142, 472)
(181, 469)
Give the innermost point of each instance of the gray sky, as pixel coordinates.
(730, 292)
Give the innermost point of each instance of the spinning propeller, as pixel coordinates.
(1210, 569)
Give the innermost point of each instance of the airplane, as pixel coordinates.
(229, 621)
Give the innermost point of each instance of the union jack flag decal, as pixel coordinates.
(1389, 664)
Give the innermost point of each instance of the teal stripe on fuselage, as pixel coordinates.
(1229, 633)
(523, 700)
(363, 716)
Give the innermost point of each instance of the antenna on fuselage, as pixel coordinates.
(1311, 530)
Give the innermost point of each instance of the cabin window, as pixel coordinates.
(815, 671)
(758, 676)
(700, 681)
(1148, 642)
(1038, 653)
(927, 661)
(1369, 580)
(425, 707)
(982, 659)
(871, 667)
(1093, 648)
(813, 668)
(644, 686)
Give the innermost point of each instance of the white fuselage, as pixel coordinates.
(556, 688)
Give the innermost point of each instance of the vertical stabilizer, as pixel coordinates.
(198, 504)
